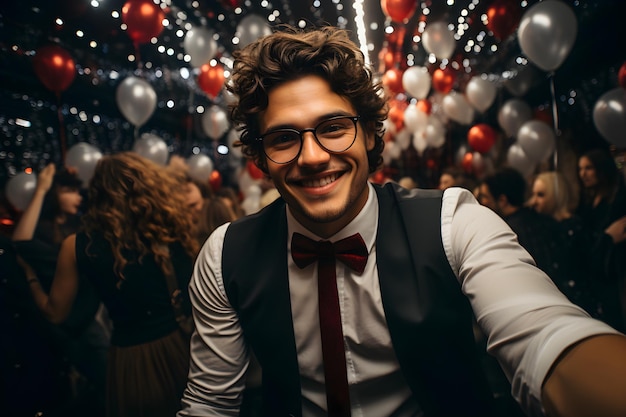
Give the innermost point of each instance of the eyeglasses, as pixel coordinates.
(334, 135)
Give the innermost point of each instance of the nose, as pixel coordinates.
(312, 153)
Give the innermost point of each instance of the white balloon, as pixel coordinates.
(20, 190)
(391, 152)
(512, 115)
(537, 140)
(517, 158)
(420, 144)
(438, 40)
(435, 132)
(152, 147)
(480, 93)
(215, 122)
(547, 32)
(609, 116)
(136, 99)
(414, 118)
(83, 157)
(199, 167)
(403, 139)
(251, 28)
(416, 81)
(200, 45)
(456, 107)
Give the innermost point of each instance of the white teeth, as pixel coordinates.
(320, 182)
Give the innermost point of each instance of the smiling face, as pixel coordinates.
(324, 191)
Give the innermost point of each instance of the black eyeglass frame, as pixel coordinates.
(300, 133)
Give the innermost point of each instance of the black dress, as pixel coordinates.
(149, 356)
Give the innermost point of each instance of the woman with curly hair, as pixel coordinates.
(135, 220)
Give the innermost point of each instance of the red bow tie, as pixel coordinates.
(352, 251)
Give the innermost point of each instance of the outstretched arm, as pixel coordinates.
(589, 379)
(25, 228)
(56, 306)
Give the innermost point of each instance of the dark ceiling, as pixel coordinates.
(26, 25)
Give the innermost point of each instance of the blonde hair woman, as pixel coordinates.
(551, 195)
(136, 213)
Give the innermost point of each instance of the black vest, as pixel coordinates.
(429, 319)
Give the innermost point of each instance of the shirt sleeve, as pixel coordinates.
(528, 321)
(219, 356)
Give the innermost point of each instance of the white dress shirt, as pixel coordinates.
(528, 321)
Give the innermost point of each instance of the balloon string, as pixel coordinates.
(138, 56)
(555, 119)
(61, 128)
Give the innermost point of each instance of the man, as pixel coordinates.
(505, 193)
(312, 120)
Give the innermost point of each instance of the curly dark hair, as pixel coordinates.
(138, 206)
(293, 53)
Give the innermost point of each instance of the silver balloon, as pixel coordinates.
(83, 157)
(251, 28)
(416, 81)
(480, 93)
(524, 78)
(152, 147)
(457, 108)
(20, 189)
(517, 159)
(438, 40)
(215, 122)
(136, 99)
(513, 113)
(609, 116)
(537, 140)
(200, 167)
(547, 32)
(200, 45)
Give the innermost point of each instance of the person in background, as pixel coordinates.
(135, 221)
(536, 232)
(602, 209)
(53, 214)
(455, 177)
(231, 198)
(552, 196)
(396, 339)
(34, 371)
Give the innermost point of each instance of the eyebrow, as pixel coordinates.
(315, 123)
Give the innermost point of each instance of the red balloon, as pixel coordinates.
(424, 105)
(254, 171)
(143, 19)
(468, 162)
(378, 177)
(211, 79)
(398, 10)
(54, 67)
(392, 79)
(443, 80)
(503, 17)
(387, 58)
(215, 180)
(621, 75)
(396, 113)
(481, 137)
